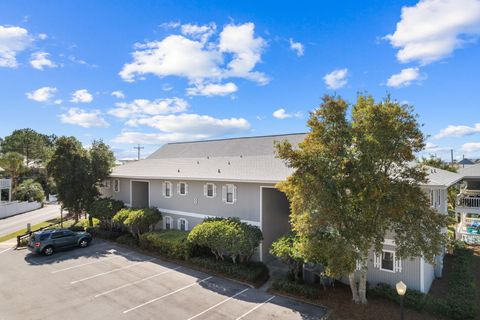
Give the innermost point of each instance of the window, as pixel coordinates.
(167, 189)
(229, 193)
(57, 235)
(116, 185)
(183, 224)
(167, 223)
(105, 184)
(182, 188)
(209, 190)
(387, 260)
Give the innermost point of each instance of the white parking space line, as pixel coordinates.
(92, 262)
(5, 250)
(255, 308)
(135, 282)
(111, 271)
(221, 302)
(166, 295)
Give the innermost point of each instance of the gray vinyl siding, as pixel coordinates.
(124, 193)
(429, 275)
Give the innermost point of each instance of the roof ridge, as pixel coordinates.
(238, 138)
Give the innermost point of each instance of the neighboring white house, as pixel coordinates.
(467, 207)
(190, 181)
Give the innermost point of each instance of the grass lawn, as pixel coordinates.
(37, 226)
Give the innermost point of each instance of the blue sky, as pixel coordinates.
(188, 70)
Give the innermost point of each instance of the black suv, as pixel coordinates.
(48, 241)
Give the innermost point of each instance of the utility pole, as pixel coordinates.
(451, 156)
(138, 150)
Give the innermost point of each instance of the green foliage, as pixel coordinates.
(12, 163)
(354, 181)
(128, 240)
(29, 143)
(228, 236)
(77, 172)
(104, 234)
(104, 209)
(138, 221)
(171, 243)
(297, 289)
(436, 162)
(255, 273)
(458, 304)
(286, 249)
(29, 190)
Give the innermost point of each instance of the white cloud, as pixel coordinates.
(458, 131)
(84, 118)
(58, 101)
(39, 60)
(297, 47)
(193, 124)
(199, 60)
(431, 147)
(471, 147)
(166, 87)
(212, 89)
(118, 94)
(144, 107)
(12, 41)
(433, 29)
(82, 96)
(202, 33)
(336, 79)
(43, 94)
(133, 137)
(405, 78)
(282, 114)
(42, 36)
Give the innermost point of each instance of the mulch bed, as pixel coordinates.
(340, 305)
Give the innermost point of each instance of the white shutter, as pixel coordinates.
(186, 188)
(224, 193)
(234, 193)
(398, 265)
(214, 190)
(358, 265)
(377, 260)
(178, 188)
(164, 186)
(205, 189)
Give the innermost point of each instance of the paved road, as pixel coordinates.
(20, 221)
(105, 281)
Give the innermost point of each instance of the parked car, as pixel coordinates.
(48, 241)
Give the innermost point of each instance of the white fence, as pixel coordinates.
(5, 183)
(8, 209)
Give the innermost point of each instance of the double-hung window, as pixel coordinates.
(229, 193)
(168, 223)
(209, 190)
(167, 189)
(182, 188)
(116, 185)
(183, 224)
(388, 258)
(387, 261)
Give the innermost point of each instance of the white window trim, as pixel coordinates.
(164, 189)
(118, 184)
(393, 261)
(165, 222)
(205, 190)
(179, 223)
(225, 192)
(179, 188)
(106, 184)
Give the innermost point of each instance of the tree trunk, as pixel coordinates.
(362, 286)
(353, 287)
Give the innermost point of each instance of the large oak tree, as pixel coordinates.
(355, 181)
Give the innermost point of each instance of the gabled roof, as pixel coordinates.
(466, 161)
(248, 159)
(472, 171)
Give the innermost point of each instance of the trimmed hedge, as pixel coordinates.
(171, 243)
(252, 272)
(104, 234)
(128, 240)
(295, 288)
(460, 301)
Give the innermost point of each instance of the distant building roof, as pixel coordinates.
(249, 159)
(471, 171)
(466, 161)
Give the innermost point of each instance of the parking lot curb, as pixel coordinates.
(279, 293)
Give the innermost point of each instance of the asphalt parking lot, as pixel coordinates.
(105, 281)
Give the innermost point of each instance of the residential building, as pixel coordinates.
(190, 181)
(467, 206)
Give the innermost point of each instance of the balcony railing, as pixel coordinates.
(469, 199)
(5, 183)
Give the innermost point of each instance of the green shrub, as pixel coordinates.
(252, 272)
(227, 236)
(128, 240)
(286, 249)
(104, 209)
(171, 243)
(82, 224)
(104, 234)
(30, 191)
(137, 221)
(413, 299)
(295, 288)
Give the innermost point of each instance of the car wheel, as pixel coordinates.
(48, 251)
(83, 243)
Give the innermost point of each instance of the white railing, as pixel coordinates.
(5, 183)
(8, 209)
(469, 199)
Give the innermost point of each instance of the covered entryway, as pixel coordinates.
(140, 194)
(275, 218)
